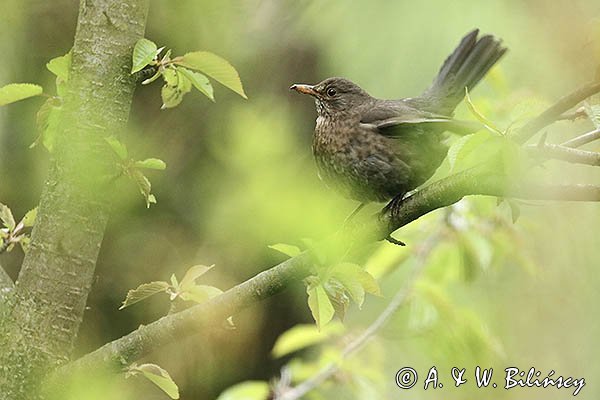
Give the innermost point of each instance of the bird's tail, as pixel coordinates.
(465, 67)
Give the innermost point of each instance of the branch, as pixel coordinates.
(556, 111)
(445, 192)
(582, 140)
(175, 327)
(563, 153)
(359, 343)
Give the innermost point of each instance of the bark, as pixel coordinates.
(39, 330)
(6, 284)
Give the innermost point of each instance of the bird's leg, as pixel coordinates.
(394, 203)
(353, 214)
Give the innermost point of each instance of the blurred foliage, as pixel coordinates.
(241, 177)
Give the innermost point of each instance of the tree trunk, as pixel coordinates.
(41, 322)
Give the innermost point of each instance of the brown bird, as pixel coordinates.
(375, 150)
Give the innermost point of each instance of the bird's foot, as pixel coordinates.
(395, 241)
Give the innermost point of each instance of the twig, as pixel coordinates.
(568, 154)
(357, 344)
(582, 140)
(554, 112)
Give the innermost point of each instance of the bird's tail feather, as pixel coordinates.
(465, 67)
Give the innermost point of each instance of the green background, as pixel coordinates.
(240, 176)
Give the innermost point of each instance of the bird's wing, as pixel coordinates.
(392, 117)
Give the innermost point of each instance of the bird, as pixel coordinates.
(377, 150)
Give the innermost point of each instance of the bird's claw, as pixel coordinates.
(397, 242)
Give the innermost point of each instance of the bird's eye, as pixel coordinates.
(331, 92)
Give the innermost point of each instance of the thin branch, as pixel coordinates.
(361, 341)
(567, 154)
(555, 112)
(174, 327)
(582, 140)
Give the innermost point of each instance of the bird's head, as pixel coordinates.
(334, 96)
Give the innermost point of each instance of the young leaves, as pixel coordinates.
(199, 81)
(143, 53)
(320, 306)
(60, 66)
(18, 91)
(48, 116)
(157, 375)
(6, 217)
(215, 67)
(356, 281)
(187, 289)
(178, 75)
(13, 233)
(132, 169)
(302, 336)
(144, 291)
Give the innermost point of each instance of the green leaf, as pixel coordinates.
(171, 96)
(29, 218)
(356, 280)
(463, 147)
(320, 306)
(183, 83)
(338, 296)
(488, 124)
(193, 273)
(143, 292)
(200, 293)
(47, 121)
(144, 185)
(249, 390)
(6, 217)
(143, 54)
(199, 81)
(286, 249)
(60, 66)
(215, 67)
(160, 378)
(170, 76)
(18, 91)
(118, 147)
(302, 336)
(151, 163)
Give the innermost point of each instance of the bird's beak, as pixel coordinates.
(304, 89)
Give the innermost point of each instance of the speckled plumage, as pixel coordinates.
(374, 150)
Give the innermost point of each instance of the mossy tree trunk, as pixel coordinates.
(41, 319)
